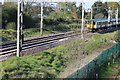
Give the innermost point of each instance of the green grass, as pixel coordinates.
(11, 35)
(44, 64)
(50, 63)
(35, 32)
(97, 41)
(41, 65)
(111, 70)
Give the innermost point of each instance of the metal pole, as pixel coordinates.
(91, 12)
(18, 30)
(41, 27)
(116, 18)
(19, 27)
(82, 20)
(109, 14)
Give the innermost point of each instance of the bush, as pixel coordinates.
(11, 25)
(60, 28)
(48, 21)
(117, 36)
(99, 16)
(41, 65)
(9, 14)
(28, 22)
(8, 35)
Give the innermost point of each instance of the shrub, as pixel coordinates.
(8, 35)
(99, 16)
(28, 22)
(11, 25)
(117, 36)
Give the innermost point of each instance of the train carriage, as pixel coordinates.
(95, 24)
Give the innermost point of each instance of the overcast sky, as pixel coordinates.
(88, 3)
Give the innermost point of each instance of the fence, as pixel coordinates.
(90, 70)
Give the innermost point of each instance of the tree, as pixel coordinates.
(79, 11)
(11, 25)
(29, 21)
(64, 10)
(9, 13)
(47, 10)
(30, 10)
(117, 36)
(100, 16)
(113, 5)
(99, 7)
(66, 6)
(34, 9)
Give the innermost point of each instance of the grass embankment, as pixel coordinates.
(11, 35)
(97, 41)
(51, 63)
(111, 71)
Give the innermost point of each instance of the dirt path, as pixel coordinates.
(82, 59)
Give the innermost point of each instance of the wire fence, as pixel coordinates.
(91, 69)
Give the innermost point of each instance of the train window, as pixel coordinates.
(102, 23)
(105, 23)
(89, 22)
(98, 23)
(86, 22)
(114, 22)
(118, 21)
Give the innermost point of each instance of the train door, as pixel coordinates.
(93, 24)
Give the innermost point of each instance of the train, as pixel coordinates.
(98, 24)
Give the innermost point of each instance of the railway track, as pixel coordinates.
(11, 47)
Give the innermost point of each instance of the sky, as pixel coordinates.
(88, 3)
